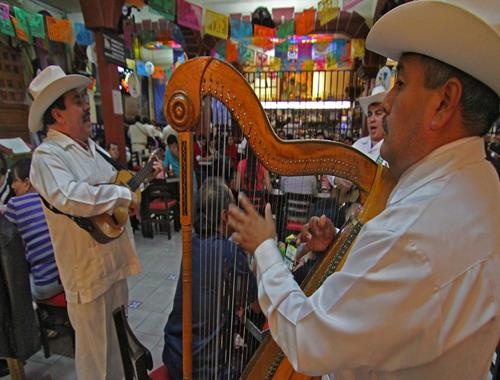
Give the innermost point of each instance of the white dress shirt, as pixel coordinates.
(365, 145)
(67, 175)
(419, 295)
(139, 134)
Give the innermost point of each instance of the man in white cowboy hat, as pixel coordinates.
(73, 177)
(370, 145)
(374, 111)
(419, 294)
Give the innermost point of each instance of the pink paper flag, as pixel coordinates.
(4, 11)
(280, 15)
(189, 15)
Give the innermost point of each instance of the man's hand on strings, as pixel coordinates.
(157, 168)
(318, 233)
(250, 228)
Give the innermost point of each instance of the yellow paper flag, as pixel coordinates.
(216, 24)
(327, 11)
(357, 48)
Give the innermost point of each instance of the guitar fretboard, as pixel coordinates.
(140, 176)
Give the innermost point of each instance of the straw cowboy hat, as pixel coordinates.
(377, 96)
(46, 87)
(457, 34)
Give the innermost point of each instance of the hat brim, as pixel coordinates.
(50, 94)
(365, 101)
(442, 31)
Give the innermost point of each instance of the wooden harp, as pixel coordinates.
(203, 78)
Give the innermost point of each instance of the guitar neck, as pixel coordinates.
(140, 176)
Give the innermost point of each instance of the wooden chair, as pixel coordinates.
(136, 358)
(297, 211)
(159, 209)
(52, 314)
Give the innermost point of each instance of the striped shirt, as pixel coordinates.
(5, 189)
(26, 213)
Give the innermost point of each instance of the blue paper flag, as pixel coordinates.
(83, 35)
(240, 29)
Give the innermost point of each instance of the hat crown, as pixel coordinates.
(49, 75)
(378, 90)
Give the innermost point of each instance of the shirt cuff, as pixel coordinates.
(126, 194)
(267, 255)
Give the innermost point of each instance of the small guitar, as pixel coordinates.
(107, 227)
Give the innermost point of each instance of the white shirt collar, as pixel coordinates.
(438, 163)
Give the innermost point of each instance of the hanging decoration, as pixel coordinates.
(281, 15)
(21, 25)
(304, 22)
(59, 30)
(216, 24)
(240, 29)
(164, 7)
(83, 35)
(263, 36)
(36, 25)
(4, 11)
(327, 11)
(189, 15)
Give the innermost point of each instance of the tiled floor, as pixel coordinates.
(151, 296)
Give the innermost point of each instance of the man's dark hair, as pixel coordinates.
(137, 119)
(171, 139)
(145, 120)
(479, 103)
(48, 119)
(21, 168)
(108, 147)
(214, 197)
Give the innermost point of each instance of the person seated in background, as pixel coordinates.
(171, 163)
(139, 133)
(299, 184)
(251, 175)
(5, 182)
(217, 264)
(26, 212)
(232, 150)
(113, 151)
(171, 160)
(167, 131)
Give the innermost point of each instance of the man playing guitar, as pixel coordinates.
(73, 177)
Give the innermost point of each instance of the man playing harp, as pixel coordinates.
(418, 297)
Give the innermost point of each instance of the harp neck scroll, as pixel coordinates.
(207, 76)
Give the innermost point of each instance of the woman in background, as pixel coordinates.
(26, 212)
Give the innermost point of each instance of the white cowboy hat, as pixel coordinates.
(447, 32)
(377, 96)
(46, 87)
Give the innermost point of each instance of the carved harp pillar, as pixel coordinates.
(191, 86)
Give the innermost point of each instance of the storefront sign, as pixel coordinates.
(114, 49)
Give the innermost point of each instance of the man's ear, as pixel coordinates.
(450, 94)
(57, 115)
